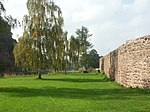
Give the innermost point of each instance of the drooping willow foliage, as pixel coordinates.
(44, 44)
(43, 36)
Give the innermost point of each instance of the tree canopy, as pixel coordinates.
(6, 41)
(90, 60)
(44, 35)
(44, 45)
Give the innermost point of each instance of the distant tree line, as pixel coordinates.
(7, 62)
(44, 45)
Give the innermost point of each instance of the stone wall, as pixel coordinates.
(129, 65)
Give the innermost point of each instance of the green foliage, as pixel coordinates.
(74, 52)
(6, 42)
(70, 93)
(85, 61)
(25, 55)
(83, 36)
(45, 44)
(2, 8)
(8, 19)
(94, 59)
(79, 47)
(6, 47)
(90, 60)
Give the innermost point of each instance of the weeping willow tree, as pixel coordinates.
(43, 30)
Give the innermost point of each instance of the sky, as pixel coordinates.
(112, 22)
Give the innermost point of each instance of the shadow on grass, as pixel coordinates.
(103, 78)
(77, 80)
(73, 93)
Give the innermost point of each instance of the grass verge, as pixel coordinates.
(70, 93)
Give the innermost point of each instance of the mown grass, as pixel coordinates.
(70, 93)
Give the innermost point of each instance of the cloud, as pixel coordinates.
(112, 22)
(88, 13)
(16, 8)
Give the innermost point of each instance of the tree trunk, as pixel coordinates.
(65, 71)
(39, 76)
(39, 73)
(40, 60)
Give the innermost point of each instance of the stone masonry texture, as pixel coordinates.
(129, 65)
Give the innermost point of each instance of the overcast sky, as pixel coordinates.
(112, 22)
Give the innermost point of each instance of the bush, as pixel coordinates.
(81, 70)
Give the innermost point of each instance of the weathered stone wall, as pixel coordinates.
(129, 65)
(106, 65)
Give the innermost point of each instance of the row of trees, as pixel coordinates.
(80, 54)
(7, 63)
(44, 45)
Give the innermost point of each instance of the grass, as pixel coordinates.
(70, 93)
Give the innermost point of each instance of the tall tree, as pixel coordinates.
(79, 46)
(6, 41)
(94, 58)
(90, 60)
(73, 52)
(85, 61)
(43, 25)
(6, 47)
(83, 36)
(25, 54)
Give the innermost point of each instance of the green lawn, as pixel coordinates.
(70, 93)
